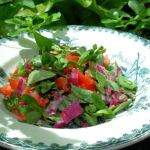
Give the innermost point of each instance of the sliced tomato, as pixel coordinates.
(62, 84)
(86, 82)
(19, 115)
(39, 99)
(6, 90)
(106, 61)
(13, 83)
(72, 57)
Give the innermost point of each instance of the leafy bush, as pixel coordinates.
(27, 15)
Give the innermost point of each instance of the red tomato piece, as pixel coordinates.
(62, 84)
(6, 90)
(86, 82)
(39, 99)
(72, 57)
(13, 83)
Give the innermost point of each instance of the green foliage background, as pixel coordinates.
(18, 16)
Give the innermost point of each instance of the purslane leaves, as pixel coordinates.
(39, 75)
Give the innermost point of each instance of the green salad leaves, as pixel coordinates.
(65, 85)
(19, 16)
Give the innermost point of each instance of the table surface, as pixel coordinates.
(143, 145)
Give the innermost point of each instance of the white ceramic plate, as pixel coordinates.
(130, 51)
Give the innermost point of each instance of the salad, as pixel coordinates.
(68, 87)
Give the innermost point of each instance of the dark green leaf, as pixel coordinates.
(18, 31)
(21, 70)
(136, 6)
(97, 101)
(36, 61)
(104, 112)
(118, 14)
(84, 3)
(33, 116)
(44, 87)
(27, 3)
(111, 72)
(84, 57)
(85, 96)
(100, 59)
(113, 23)
(96, 52)
(54, 118)
(91, 108)
(4, 1)
(43, 43)
(52, 18)
(16, 21)
(11, 103)
(93, 73)
(101, 79)
(100, 89)
(91, 120)
(39, 75)
(23, 109)
(26, 13)
(113, 3)
(94, 47)
(7, 12)
(48, 59)
(33, 105)
(61, 63)
(147, 12)
(144, 24)
(45, 6)
(122, 106)
(124, 82)
(113, 85)
(81, 50)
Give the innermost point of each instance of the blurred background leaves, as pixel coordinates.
(17, 16)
